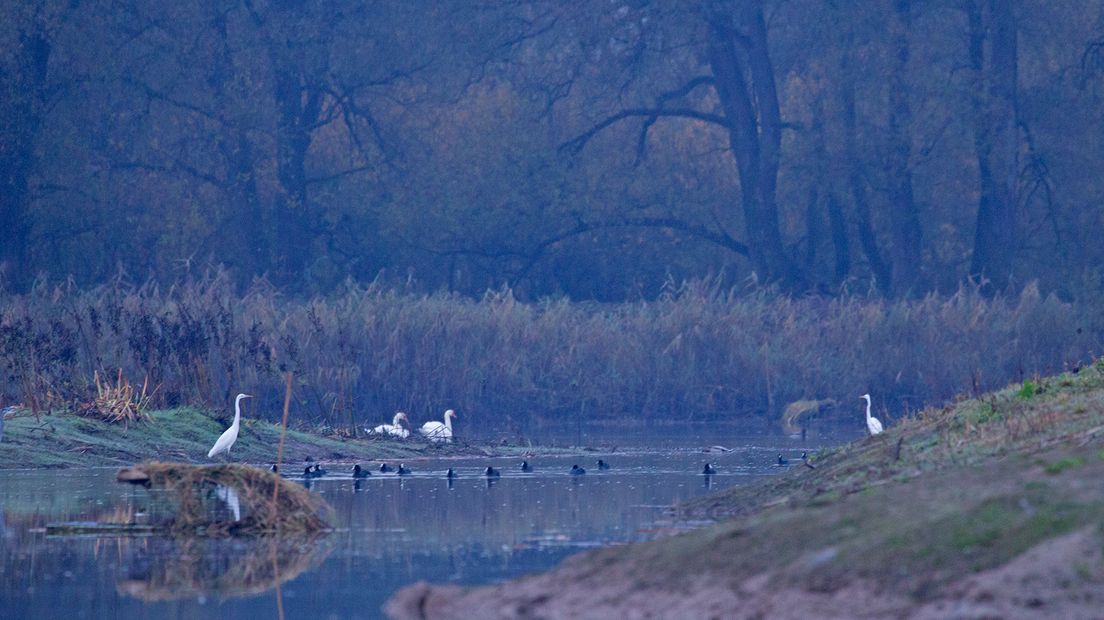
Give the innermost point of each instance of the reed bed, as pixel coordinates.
(699, 352)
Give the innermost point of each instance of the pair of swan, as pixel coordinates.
(400, 427)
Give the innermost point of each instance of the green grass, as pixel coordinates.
(1028, 390)
(1062, 465)
(67, 440)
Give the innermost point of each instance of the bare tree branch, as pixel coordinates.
(578, 143)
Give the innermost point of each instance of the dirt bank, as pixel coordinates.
(992, 507)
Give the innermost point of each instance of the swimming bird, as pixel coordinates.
(525, 467)
(397, 428)
(359, 472)
(230, 435)
(716, 450)
(385, 468)
(491, 472)
(709, 470)
(438, 432)
(577, 471)
(308, 472)
(783, 461)
(402, 470)
(318, 471)
(602, 464)
(275, 469)
(872, 424)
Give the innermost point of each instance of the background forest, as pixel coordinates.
(829, 161)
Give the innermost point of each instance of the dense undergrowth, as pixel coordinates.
(698, 352)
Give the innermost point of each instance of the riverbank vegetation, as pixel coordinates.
(64, 439)
(699, 352)
(989, 507)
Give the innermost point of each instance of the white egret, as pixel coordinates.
(438, 432)
(230, 435)
(872, 423)
(397, 427)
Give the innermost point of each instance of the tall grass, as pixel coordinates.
(699, 352)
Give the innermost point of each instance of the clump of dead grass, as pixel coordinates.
(197, 509)
(119, 402)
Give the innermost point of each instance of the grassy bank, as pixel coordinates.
(991, 507)
(185, 435)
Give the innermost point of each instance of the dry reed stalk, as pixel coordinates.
(283, 432)
(120, 402)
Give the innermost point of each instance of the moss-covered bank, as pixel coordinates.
(991, 507)
(185, 435)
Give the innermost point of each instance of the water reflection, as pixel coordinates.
(390, 530)
(164, 569)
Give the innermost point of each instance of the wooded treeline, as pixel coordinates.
(592, 149)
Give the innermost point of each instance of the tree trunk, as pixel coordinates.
(293, 137)
(996, 140)
(879, 269)
(249, 238)
(18, 134)
(904, 217)
(754, 133)
(840, 240)
(837, 224)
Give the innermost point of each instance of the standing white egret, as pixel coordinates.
(230, 435)
(436, 431)
(872, 423)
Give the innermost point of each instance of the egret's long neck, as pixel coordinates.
(237, 411)
(448, 422)
(867, 408)
(397, 420)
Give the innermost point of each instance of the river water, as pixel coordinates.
(390, 531)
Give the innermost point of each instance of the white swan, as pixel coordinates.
(435, 431)
(230, 435)
(397, 427)
(872, 424)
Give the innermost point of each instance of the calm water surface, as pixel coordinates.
(390, 532)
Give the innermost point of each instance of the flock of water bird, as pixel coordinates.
(442, 432)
